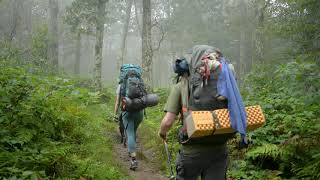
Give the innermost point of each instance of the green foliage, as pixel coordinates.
(288, 143)
(39, 48)
(150, 139)
(82, 15)
(297, 21)
(9, 52)
(241, 171)
(268, 151)
(311, 168)
(48, 131)
(34, 59)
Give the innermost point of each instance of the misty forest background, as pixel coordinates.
(60, 61)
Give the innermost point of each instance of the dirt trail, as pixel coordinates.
(145, 171)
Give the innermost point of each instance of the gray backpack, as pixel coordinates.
(202, 95)
(203, 90)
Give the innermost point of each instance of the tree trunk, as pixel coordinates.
(259, 40)
(28, 19)
(53, 50)
(146, 43)
(99, 44)
(78, 54)
(137, 17)
(14, 20)
(242, 54)
(125, 33)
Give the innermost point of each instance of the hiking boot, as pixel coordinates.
(134, 164)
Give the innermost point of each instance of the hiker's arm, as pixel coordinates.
(166, 124)
(172, 109)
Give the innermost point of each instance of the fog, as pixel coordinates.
(66, 31)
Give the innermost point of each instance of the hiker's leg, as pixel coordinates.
(218, 167)
(187, 167)
(130, 120)
(129, 127)
(138, 117)
(121, 127)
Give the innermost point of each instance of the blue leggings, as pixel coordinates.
(131, 123)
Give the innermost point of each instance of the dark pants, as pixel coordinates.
(121, 126)
(208, 164)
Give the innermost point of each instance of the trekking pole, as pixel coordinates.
(168, 159)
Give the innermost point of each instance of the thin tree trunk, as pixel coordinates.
(259, 40)
(28, 27)
(242, 54)
(137, 17)
(53, 50)
(146, 42)
(14, 20)
(78, 54)
(28, 20)
(99, 44)
(125, 32)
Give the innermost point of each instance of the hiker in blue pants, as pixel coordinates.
(130, 123)
(130, 87)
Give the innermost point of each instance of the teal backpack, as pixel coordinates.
(132, 85)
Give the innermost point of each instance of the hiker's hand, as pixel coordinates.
(163, 136)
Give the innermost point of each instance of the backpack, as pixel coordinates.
(132, 85)
(202, 94)
(203, 85)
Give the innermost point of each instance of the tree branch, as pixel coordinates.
(163, 33)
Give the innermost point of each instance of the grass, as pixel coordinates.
(100, 147)
(149, 134)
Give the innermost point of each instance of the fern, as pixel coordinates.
(311, 170)
(268, 151)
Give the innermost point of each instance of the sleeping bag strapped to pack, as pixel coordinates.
(132, 90)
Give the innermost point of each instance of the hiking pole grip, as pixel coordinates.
(168, 159)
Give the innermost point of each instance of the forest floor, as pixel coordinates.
(146, 169)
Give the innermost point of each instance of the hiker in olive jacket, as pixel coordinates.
(205, 158)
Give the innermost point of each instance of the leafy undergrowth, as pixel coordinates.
(51, 128)
(287, 147)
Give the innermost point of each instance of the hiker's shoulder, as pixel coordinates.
(175, 93)
(183, 83)
(176, 87)
(173, 103)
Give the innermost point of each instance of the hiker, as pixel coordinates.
(205, 156)
(129, 121)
